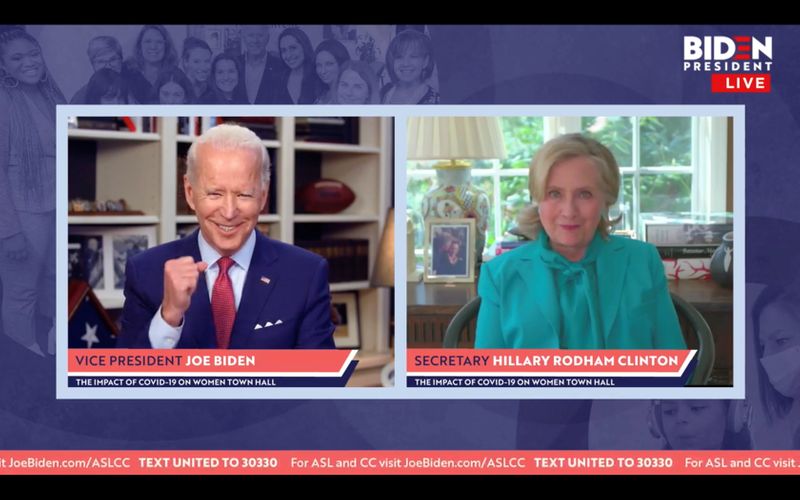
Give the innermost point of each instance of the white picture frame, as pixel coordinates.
(102, 253)
(344, 314)
(449, 250)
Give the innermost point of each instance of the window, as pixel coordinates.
(655, 159)
(667, 164)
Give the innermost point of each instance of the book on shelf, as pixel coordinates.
(184, 125)
(129, 123)
(348, 259)
(688, 217)
(666, 229)
(327, 129)
(123, 123)
(682, 235)
(196, 125)
(322, 120)
(99, 123)
(502, 247)
(687, 252)
(263, 126)
(191, 126)
(209, 122)
(149, 124)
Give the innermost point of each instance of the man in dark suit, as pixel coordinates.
(264, 75)
(226, 285)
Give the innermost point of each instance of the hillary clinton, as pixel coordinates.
(575, 286)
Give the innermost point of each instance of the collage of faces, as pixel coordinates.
(247, 69)
(269, 65)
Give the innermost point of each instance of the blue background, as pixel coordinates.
(476, 65)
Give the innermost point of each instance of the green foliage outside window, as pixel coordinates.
(663, 142)
(523, 135)
(615, 132)
(515, 196)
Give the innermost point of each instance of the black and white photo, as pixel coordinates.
(99, 254)
(126, 246)
(86, 258)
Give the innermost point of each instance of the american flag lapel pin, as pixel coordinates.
(265, 280)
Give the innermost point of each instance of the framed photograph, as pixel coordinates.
(125, 244)
(449, 250)
(344, 314)
(86, 256)
(98, 255)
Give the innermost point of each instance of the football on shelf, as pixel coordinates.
(325, 196)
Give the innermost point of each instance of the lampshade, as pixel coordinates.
(455, 138)
(383, 273)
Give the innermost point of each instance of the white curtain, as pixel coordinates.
(709, 188)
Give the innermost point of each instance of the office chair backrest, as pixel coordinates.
(460, 321)
(693, 325)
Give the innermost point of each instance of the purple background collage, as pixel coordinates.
(474, 65)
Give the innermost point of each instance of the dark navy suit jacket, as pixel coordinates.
(272, 87)
(284, 285)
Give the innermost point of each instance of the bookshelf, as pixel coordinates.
(142, 168)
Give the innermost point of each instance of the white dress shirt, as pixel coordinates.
(164, 336)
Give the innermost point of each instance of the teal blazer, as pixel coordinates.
(519, 307)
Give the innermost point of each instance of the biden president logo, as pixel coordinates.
(736, 63)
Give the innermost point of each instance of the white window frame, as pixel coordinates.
(708, 168)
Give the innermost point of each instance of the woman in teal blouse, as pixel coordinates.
(575, 286)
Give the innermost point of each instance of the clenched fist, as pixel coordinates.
(180, 282)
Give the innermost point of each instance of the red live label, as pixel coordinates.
(738, 82)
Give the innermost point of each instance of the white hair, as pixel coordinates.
(228, 136)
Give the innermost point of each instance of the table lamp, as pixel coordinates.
(455, 140)
(383, 272)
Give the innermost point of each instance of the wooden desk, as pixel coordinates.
(432, 305)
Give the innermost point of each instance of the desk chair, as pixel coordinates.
(694, 327)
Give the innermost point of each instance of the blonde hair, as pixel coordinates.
(555, 151)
